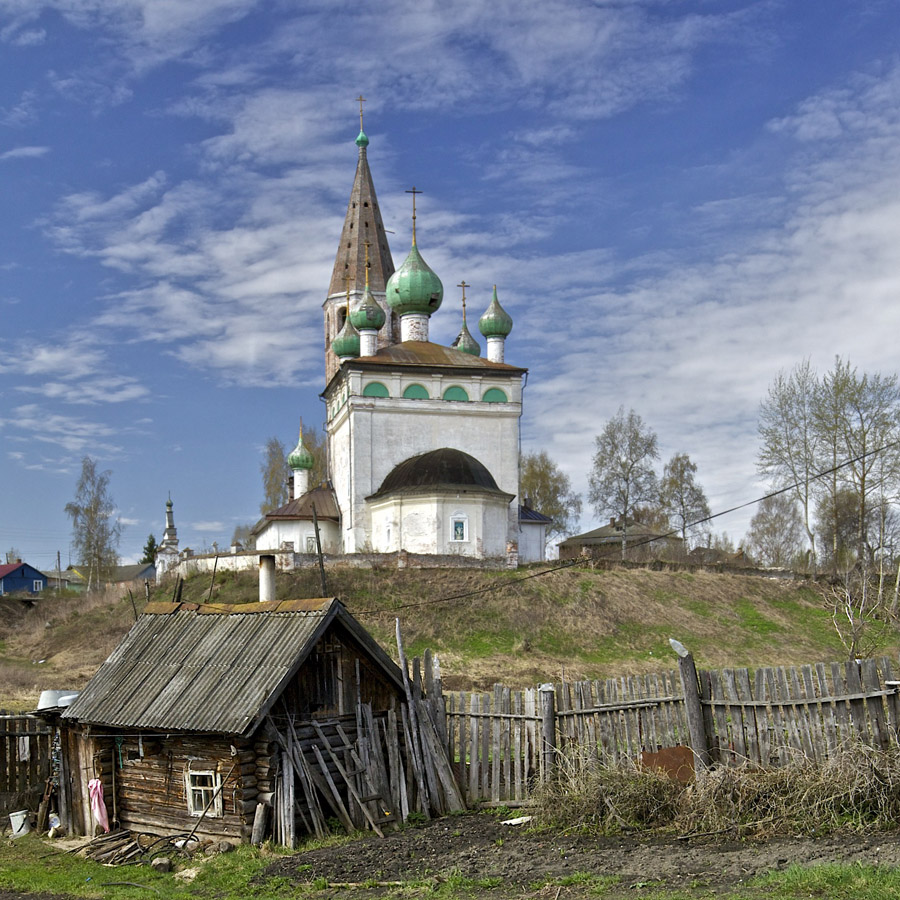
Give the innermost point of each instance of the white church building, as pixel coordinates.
(422, 439)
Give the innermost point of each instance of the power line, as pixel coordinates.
(574, 562)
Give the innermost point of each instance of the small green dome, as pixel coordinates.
(466, 343)
(346, 342)
(414, 288)
(496, 322)
(361, 139)
(368, 315)
(300, 457)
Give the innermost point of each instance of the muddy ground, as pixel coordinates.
(479, 846)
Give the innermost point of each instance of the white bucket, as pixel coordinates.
(19, 822)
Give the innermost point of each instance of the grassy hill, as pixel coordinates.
(519, 631)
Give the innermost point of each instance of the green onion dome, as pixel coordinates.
(466, 343)
(300, 457)
(362, 140)
(414, 288)
(368, 315)
(496, 322)
(346, 342)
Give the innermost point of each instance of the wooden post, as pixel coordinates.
(693, 709)
(319, 552)
(548, 729)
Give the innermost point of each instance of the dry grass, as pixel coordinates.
(574, 623)
(858, 789)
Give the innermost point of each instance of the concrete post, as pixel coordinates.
(266, 578)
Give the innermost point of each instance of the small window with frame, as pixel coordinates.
(459, 528)
(38, 585)
(203, 788)
(310, 543)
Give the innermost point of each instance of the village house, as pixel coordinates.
(205, 713)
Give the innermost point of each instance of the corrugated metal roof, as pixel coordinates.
(210, 669)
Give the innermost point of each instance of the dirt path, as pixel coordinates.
(478, 846)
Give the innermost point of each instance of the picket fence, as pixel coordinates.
(25, 753)
(500, 740)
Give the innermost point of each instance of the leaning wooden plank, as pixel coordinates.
(453, 799)
(373, 786)
(826, 709)
(336, 801)
(353, 792)
(395, 763)
(841, 706)
(413, 744)
(474, 754)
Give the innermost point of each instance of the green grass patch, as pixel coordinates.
(753, 620)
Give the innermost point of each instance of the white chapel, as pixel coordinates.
(422, 439)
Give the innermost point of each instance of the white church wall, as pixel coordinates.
(299, 532)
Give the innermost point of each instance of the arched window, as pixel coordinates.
(456, 393)
(375, 389)
(416, 392)
(494, 395)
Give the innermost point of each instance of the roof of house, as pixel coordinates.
(527, 514)
(301, 508)
(9, 568)
(612, 534)
(212, 668)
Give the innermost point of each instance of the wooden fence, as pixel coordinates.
(503, 742)
(25, 756)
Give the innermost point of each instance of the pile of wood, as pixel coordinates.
(113, 849)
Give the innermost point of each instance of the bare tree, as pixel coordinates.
(776, 531)
(791, 436)
(95, 534)
(275, 475)
(550, 492)
(681, 497)
(623, 476)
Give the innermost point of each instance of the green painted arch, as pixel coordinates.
(375, 389)
(456, 393)
(495, 395)
(416, 392)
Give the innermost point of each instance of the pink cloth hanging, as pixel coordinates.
(98, 807)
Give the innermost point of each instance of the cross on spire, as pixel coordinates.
(414, 192)
(360, 100)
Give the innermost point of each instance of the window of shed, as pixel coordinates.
(201, 787)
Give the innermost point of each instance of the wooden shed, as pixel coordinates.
(200, 714)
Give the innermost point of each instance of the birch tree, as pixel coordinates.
(683, 500)
(623, 476)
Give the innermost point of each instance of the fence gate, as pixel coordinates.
(25, 755)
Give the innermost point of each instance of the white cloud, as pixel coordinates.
(24, 153)
(207, 526)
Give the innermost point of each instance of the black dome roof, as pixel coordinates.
(445, 468)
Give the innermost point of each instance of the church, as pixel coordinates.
(422, 439)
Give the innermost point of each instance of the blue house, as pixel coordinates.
(20, 578)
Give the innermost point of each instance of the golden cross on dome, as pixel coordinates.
(414, 192)
(360, 100)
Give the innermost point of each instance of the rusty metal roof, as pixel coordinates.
(301, 508)
(424, 353)
(211, 668)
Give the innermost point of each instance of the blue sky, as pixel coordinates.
(675, 199)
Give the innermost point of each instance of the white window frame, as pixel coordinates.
(459, 518)
(38, 586)
(310, 543)
(199, 786)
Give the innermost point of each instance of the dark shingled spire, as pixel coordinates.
(362, 224)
